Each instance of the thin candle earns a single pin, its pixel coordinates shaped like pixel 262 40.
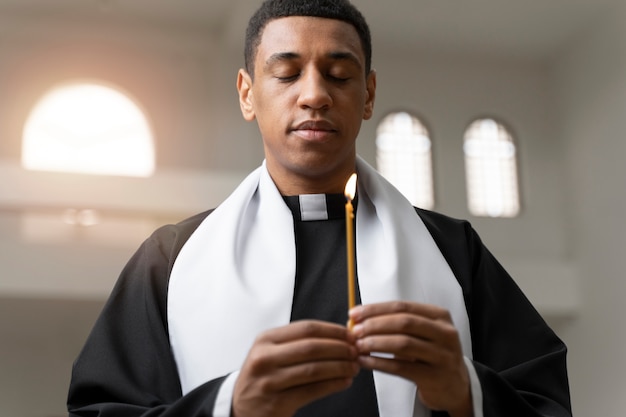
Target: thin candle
pixel 350 191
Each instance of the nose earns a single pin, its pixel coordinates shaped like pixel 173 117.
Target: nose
pixel 314 93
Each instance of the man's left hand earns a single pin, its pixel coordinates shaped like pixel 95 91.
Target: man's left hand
pixel 420 343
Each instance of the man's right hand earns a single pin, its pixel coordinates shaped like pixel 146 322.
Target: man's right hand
pixel 291 366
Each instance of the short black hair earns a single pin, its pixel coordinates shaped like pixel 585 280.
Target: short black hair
pixel 331 9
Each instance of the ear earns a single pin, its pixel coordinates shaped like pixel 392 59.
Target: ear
pixel 244 87
pixel 370 86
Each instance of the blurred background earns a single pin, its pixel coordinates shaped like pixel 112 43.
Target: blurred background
pixel 553 72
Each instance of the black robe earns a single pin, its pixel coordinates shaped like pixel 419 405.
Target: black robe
pixel 127 369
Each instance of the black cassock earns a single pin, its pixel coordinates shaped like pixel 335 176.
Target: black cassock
pixel 126 368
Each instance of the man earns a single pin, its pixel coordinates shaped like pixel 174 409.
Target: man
pixel 241 311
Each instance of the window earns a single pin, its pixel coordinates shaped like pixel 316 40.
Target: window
pixel 404 157
pixel 88 128
pixel 491 170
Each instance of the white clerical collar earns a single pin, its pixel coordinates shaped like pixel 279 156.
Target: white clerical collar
pixel 317 207
pixel 313 207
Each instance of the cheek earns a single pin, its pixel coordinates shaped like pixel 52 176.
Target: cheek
pixel 271 106
pixel 273 124
pixel 270 118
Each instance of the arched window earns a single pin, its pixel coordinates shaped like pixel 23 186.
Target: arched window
pixel 88 128
pixel 491 170
pixel 404 157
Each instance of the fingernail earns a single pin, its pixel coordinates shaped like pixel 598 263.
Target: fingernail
pixel 359 344
pixel 365 360
pixel 354 311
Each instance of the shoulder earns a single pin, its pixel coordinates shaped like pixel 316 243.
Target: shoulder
pixel 447 231
pixel 170 238
pixel 147 271
pixel 183 228
pixel 459 244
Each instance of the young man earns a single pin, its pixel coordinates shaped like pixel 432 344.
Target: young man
pixel 241 311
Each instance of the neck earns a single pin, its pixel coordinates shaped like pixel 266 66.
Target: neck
pixel 312 187
pixel 297 184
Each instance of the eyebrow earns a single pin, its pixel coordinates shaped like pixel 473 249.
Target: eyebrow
pixel 290 56
pixel 281 57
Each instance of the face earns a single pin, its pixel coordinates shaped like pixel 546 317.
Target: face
pixel 309 96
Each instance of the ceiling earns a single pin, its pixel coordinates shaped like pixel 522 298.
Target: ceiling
pixel 529 28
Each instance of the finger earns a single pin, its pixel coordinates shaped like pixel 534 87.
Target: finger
pixel 406 324
pixel 401 347
pixel 305 374
pixel 267 358
pixel 304 329
pixel 311 350
pixel 305 394
pixel 363 312
pixel 414 371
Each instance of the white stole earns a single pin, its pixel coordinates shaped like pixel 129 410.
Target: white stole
pixel 234 278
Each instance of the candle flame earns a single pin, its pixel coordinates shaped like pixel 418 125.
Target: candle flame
pixel 351 187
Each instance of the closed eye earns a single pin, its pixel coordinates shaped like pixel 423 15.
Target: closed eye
pixel 287 78
pixel 338 79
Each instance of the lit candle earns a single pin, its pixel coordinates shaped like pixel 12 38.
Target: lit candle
pixel 349 193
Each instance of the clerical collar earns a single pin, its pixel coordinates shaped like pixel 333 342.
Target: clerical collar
pixel 311 207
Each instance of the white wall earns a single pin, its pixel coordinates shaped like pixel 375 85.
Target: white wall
pixel 186 83
pixel 590 79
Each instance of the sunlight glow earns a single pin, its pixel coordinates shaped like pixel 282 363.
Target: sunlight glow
pixel 89 129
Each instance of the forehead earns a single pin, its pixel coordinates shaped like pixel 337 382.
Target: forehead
pixel 306 35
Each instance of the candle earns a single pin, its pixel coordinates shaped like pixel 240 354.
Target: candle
pixel 349 193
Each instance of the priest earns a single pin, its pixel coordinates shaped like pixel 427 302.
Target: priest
pixel 241 311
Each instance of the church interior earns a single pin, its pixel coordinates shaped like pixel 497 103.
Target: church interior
pixel 553 71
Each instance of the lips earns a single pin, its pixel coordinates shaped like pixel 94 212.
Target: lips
pixel 314 129
pixel 315 125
